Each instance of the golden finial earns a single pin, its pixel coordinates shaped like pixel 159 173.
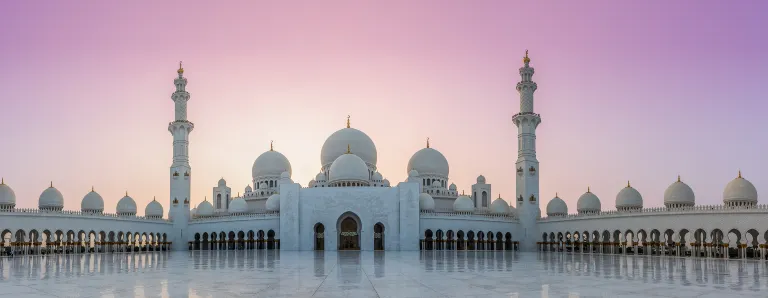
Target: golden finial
pixel 154 198
pixel 556 196
pixel 348 151
pixel 526 60
pixel 181 69
pixel 91 188
pixel 739 173
pixel 628 184
pixel 499 195
pixel 2 180
pixel 271 148
pixel 347 121
pixel 51 184
pixel 205 198
pixel 427 142
pixel 126 193
pixel 678 178
pixel 588 189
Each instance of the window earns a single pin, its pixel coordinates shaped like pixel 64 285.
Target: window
pixel 218 201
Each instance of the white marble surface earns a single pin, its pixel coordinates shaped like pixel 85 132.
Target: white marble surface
pixel 377 274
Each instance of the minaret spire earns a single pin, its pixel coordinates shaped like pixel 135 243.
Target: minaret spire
pixel 527 166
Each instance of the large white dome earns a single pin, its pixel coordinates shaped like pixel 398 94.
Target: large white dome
pixel 499 206
pixel 629 198
pixel 557 207
pixel 428 161
pixel 588 202
pixel 336 145
pixel 270 163
pixel 426 202
pixel 679 194
pixel 92 202
pixel 7 196
pixel 51 198
pixel 154 209
pixel 348 167
pixel 204 209
pixel 273 202
pixel 463 204
pixel 238 206
pixel 740 190
pixel 126 206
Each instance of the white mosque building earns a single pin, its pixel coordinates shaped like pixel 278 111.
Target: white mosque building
pixel 351 206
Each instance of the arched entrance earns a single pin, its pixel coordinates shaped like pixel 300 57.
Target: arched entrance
pixel 319 237
pixel 378 236
pixel 349 231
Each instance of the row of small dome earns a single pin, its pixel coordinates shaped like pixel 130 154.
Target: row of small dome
pixel 52 199
pixel 426 161
pixel 737 192
pixel 236 206
pixel 464 203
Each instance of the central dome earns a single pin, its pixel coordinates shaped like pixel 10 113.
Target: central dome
pixel 348 167
pixel 336 145
pixel 428 161
pixel 270 163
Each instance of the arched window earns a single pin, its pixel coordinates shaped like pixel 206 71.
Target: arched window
pixel 218 201
pixel 485 199
pixel 271 184
pixel 227 201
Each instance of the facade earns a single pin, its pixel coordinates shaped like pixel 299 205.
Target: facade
pixel 351 206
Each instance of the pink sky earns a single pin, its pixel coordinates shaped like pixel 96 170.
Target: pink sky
pixel 639 91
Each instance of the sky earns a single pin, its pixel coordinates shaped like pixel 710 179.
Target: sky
pixel 628 90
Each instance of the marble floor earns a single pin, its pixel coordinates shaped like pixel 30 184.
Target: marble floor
pixel 377 274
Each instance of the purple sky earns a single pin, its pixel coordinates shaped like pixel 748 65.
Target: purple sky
pixel 640 91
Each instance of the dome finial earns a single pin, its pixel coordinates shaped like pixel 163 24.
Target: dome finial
pixel 628 184
pixel 427 142
pixel 51 184
pixel 154 198
pixel 739 173
pixel 271 147
pixel 526 60
pixel 348 151
pixel 347 121
pixel 92 188
pixel 181 69
pixel 678 178
pixel 2 180
pixel 588 189
pixel 556 196
pixel 126 193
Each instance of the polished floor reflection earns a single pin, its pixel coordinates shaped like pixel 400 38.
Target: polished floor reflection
pixel 377 274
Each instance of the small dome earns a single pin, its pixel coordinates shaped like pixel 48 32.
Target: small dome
pixel 285 175
pixel 248 188
pixel 204 209
pixel 377 176
pixel 336 146
pixel 463 204
pixel 192 213
pixel 7 196
pixel 740 190
pixel 312 183
pixel 126 206
pixel 481 179
pixel 92 202
pixel 320 177
pixel 348 167
pixel 270 163
pixel 222 182
pixel 588 202
pixel 263 185
pixel 413 173
pixel 273 203
pixel 679 194
pixel 428 161
pixel 499 206
pixel 557 207
pixel 385 182
pixel 452 187
pixel 629 198
pixel 426 202
pixel 51 198
pixel 154 209
pixel 238 205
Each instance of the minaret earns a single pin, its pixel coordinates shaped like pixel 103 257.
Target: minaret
pixel 527 166
pixel 181 172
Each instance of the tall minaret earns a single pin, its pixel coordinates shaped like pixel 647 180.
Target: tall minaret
pixel 181 172
pixel 527 166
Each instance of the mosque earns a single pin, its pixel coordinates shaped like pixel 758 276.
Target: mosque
pixel 349 205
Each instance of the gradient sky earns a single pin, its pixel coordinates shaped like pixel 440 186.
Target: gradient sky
pixel 628 90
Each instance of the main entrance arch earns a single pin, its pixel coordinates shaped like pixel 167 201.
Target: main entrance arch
pixel 349 231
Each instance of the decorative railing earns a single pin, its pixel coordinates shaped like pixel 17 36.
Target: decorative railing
pixel 65 213
pixel 664 210
pixel 525 113
pixel 265 214
pixel 483 213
